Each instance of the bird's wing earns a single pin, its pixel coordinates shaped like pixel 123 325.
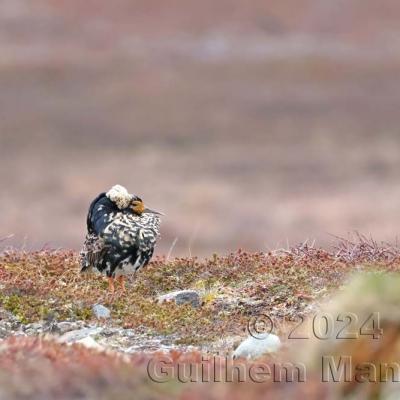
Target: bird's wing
pixel 93 251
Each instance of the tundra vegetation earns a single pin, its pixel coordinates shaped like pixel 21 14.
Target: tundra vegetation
pixel 45 288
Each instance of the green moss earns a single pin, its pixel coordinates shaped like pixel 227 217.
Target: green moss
pixel 82 313
pixel 45 311
pixel 25 308
pixel 13 304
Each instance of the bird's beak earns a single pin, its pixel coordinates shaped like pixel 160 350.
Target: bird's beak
pixel 148 210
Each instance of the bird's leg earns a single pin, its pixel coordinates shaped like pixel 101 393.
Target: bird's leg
pixel 121 280
pixel 111 284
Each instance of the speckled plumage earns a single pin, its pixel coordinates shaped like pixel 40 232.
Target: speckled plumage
pixel 119 241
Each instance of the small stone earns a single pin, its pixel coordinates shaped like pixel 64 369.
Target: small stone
pixel 6 315
pixel 34 326
pixel 64 327
pixel 108 332
pixel 4 333
pixel 128 333
pixel 258 345
pixel 182 297
pixel 6 324
pixel 32 329
pixel 76 335
pixel 31 332
pixel 101 312
pixel 9 320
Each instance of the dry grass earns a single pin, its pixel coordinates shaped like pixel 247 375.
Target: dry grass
pixel 46 284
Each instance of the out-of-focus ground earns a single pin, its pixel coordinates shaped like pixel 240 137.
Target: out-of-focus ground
pixel 247 123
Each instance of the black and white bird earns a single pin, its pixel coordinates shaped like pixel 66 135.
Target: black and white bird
pixel 121 235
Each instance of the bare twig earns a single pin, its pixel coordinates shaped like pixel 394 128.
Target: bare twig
pixel 360 248
pixel 171 248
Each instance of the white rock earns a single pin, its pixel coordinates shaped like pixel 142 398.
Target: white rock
pixel 181 297
pixel 256 346
pixel 77 335
pixel 101 312
pixel 90 343
pixel 65 326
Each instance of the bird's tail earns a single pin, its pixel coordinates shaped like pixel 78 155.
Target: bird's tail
pixel 85 259
pixel 91 253
pixel 85 269
pixel 84 262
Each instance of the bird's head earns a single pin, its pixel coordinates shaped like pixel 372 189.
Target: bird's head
pixel 126 201
pixel 119 196
pixel 138 207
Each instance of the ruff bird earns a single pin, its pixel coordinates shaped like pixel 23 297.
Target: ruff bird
pixel 121 235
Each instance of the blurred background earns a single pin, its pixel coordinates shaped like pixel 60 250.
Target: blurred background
pixel 249 123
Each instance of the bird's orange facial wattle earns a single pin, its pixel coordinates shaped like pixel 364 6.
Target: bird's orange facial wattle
pixel 137 206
